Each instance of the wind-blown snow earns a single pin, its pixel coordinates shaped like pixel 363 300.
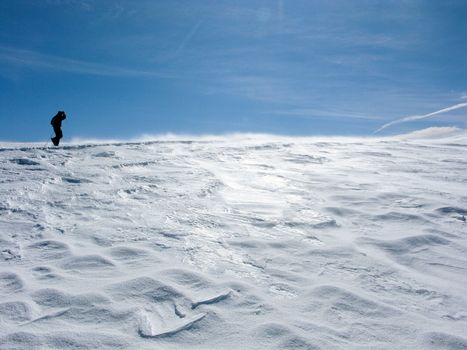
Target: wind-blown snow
pixel 235 243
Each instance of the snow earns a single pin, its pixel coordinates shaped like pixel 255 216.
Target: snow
pixel 236 242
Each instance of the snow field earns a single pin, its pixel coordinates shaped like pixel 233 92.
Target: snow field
pixel 235 243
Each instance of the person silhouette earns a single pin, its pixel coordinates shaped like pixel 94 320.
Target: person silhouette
pixel 56 123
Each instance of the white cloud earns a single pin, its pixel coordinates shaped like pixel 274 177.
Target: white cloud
pixel 433 133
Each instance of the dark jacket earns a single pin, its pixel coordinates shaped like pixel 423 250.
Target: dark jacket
pixel 56 121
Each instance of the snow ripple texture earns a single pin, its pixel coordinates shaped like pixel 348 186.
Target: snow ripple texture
pixel 234 243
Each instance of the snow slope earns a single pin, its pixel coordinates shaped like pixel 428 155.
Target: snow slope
pixel 245 242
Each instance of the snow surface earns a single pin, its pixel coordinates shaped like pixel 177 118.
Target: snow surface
pixel 242 242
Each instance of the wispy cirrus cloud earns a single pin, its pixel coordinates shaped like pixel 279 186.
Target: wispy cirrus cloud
pixel 39 61
pixel 424 116
pixel 312 113
pixel 85 5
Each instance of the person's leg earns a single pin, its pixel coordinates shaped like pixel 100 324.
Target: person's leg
pixel 54 139
pixel 58 136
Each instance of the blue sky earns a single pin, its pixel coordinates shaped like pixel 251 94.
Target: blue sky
pixel 121 69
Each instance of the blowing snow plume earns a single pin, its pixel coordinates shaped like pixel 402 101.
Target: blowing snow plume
pixel 418 117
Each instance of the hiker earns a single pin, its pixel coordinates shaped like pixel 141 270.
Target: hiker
pixel 56 122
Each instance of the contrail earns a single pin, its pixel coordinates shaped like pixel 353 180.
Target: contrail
pixel 417 117
pixel 188 37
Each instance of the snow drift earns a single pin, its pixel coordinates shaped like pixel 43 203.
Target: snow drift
pixel 235 243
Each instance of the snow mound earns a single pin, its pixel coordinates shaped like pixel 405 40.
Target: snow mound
pixel 237 242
